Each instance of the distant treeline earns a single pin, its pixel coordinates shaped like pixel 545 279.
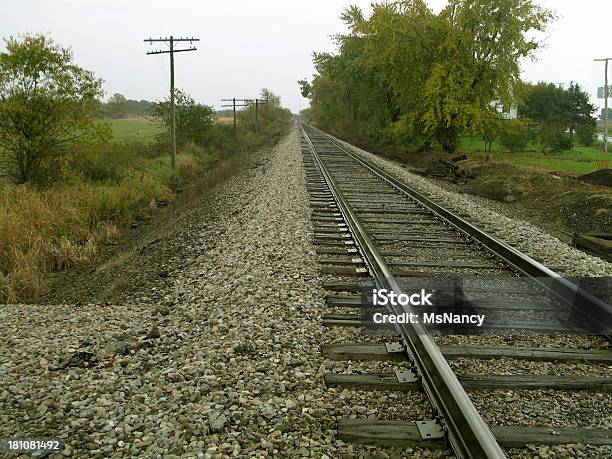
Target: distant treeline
pixel 119 107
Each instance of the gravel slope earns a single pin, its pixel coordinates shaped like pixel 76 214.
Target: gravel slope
pixel 222 361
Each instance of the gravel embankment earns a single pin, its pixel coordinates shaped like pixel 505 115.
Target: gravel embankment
pixel 524 236
pixel 223 361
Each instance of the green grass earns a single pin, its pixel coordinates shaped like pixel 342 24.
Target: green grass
pixel 581 160
pixel 135 129
pixel 471 144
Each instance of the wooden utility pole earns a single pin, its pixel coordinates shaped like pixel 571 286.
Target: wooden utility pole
pixel 171 40
pixel 605 94
pixel 259 102
pixel 234 105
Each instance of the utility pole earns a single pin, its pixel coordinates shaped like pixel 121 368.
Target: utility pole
pixel 171 40
pixel 258 102
pixel 605 94
pixel 233 104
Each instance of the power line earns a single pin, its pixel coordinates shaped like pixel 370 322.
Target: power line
pixel 171 41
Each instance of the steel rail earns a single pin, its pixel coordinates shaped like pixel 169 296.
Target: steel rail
pixel 467 433
pixel 592 309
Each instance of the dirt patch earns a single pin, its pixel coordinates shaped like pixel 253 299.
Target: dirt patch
pixel 601 177
pixel 573 206
pixel 561 204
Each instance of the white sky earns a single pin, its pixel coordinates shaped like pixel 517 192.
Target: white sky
pixel 247 45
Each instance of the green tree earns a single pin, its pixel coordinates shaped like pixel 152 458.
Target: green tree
pixel 515 134
pixel 582 110
pixel 586 133
pixel 47 106
pixel 408 76
pixel 491 127
pixel 305 88
pixel 556 111
pixel 117 106
pixel 548 104
pixel 270 114
pixel 193 120
pixel 480 56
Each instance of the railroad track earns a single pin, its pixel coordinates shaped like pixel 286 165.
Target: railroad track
pixel 371 229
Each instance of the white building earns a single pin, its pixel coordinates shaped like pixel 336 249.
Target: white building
pixel 507 114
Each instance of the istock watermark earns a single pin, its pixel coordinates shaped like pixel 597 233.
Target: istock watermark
pixel 384 297
pixel 429 318
pixel 476 305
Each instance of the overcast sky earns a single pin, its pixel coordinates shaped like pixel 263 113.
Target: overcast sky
pixel 247 45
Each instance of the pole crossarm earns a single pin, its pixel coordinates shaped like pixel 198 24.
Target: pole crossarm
pixel 152 40
pixel 173 51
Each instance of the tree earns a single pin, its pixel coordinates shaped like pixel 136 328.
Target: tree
pixel 268 114
pixel 47 106
pixel 272 99
pixel 305 88
pixel 117 106
pixel 491 128
pixel 413 77
pixel 547 104
pixel 479 63
pixel 514 134
pixel 556 111
pixel 193 120
pixel 583 121
pixel 586 133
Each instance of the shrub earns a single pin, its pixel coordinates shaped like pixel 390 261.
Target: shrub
pixel 561 141
pixel 110 162
pixel 551 139
pixel 586 133
pixel 514 134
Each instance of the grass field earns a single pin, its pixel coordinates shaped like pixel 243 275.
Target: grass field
pixel 581 160
pixel 138 129
pixel 225 119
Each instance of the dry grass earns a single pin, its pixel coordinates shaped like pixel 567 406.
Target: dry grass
pixel 225 120
pixel 223 170
pixel 60 228
pixel 604 164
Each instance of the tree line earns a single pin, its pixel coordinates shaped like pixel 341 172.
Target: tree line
pixel 415 80
pixel 117 106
